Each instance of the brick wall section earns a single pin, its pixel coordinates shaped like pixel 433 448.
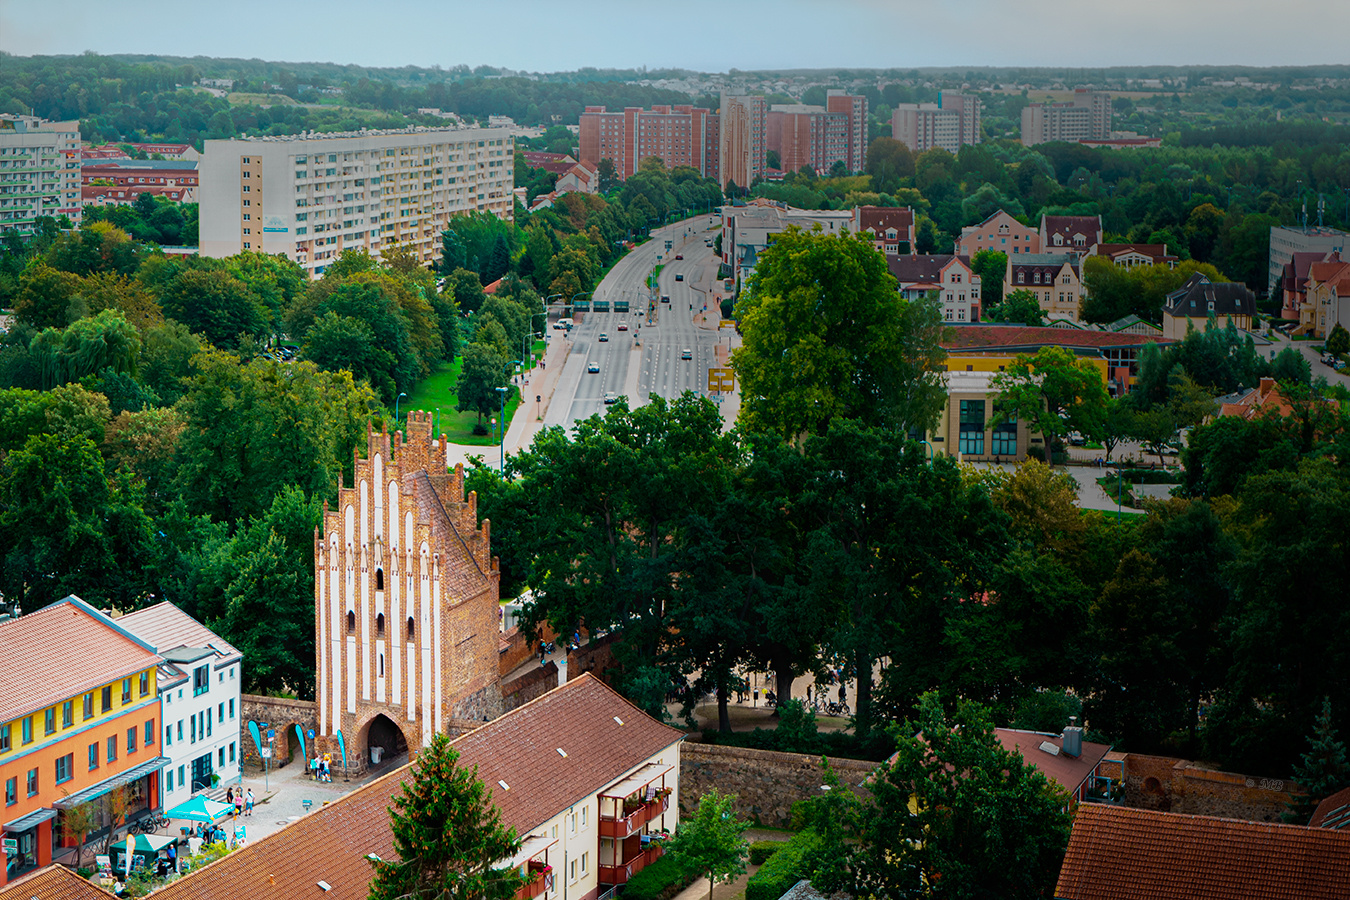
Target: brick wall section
pixel 595 656
pixel 1180 786
pixel 534 683
pixel 765 783
pixel 516 647
pixel 281 714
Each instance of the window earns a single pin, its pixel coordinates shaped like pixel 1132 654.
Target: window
pixel 112 748
pixel 27 729
pixel 231 751
pixel 351 622
pixel 11 791
pixel 126 691
pixel 145 682
pixel 181 770
pixel 68 714
pixel 65 766
pixel 131 740
pixel 972 427
pixel 221 713
pixel 180 732
pixel 201 680
pixel 93 756
pixel 149 732
pixel 222 757
pixel 207 716
pixel 411 628
pixel 231 705
pixel 584 811
pixel 379 586
pixel 4 737
pixel 192 729
pixel 574 870
pixel 1005 438
pixel 32 783
pixel 106 699
pixel 572 823
pixel 168 780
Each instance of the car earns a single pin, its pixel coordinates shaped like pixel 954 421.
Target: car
pixel 686 353
pixel 679 277
pixel 593 367
pixel 610 396
pixel 1077 439
pixel 665 298
pixel 604 338
pixel 623 326
pixel 679 256
pixel 707 244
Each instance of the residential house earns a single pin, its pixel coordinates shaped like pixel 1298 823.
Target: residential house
pixel 1333 812
pixel 957 287
pixel 890 228
pixel 1294 286
pixel 118 182
pixel 1198 300
pixel 557 163
pixel 1000 232
pixel 1327 302
pixel 1249 403
pixel 1066 759
pixel 199 684
pixel 991 348
pixel 1053 278
pixel 583 177
pixel 1128 256
pixel 748 230
pixel 1116 852
pixel 1078 233
pixel 79 717
pixel 1286 241
pixel 53 883
pixel 584 777
pixel 967 428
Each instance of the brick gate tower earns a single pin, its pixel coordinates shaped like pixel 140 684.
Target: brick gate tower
pixel 405 591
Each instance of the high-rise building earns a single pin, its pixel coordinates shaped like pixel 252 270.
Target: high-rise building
pixel 1086 116
pixel 948 124
pixel 39 171
pixel 312 196
pixel 677 135
pixel 855 107
pixel 817 136
pixel 742 139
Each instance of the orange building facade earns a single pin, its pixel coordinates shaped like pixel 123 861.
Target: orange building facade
pixel 79 717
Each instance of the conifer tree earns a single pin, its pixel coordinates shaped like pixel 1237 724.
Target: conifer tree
pixel 448 836
pixel 1323 771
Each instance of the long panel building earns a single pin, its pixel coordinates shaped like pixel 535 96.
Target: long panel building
pixel 949 124
pixel 39 171
pixel 1086 116
pixel 677 135
pixel 819 136
pixel 311 196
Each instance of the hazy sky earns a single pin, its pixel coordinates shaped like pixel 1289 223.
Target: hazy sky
pixel 707 35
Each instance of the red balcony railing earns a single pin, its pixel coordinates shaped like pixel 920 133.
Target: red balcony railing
pixel 634 819
pixel 540 881
pixel 620 874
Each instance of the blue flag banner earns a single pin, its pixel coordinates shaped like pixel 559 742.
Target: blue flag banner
pixel 300 733
pixel 257 738
pixel 342 745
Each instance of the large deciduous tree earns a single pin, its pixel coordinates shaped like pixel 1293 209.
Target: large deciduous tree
pixel 1054 392
pixel 828 336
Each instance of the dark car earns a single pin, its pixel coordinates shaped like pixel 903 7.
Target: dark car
pixel 679 256
pixel 603 337
pixel 679 277
pixel 665 298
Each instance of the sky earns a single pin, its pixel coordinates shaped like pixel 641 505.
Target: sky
pixel 703 35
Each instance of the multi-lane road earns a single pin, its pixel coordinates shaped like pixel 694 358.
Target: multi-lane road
pixel 647 358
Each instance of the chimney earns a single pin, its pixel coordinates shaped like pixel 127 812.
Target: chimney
pixel 1073 739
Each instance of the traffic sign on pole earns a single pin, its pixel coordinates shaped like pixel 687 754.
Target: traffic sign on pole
pixel 721 379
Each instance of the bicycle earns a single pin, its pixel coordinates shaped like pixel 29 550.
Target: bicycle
pixel 838 710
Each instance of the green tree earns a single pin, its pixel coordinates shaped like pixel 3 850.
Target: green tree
pixel 991 266
pixel 1322 771
pixel 1020 307
pixel 1054 392
pixel 1338 342
pixel 712 842
pixel 481 373
pixel 958 780
pixel 45 296
pixel 609 175
pixel 498 262
pixel 348 344
pixel 888 162
pixel 85 347
pixel 467 290
pixel 448 835
pixel 216 305
pixel 826 335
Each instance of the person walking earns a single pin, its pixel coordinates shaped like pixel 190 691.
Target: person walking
pixel 248 802
pixel 238 804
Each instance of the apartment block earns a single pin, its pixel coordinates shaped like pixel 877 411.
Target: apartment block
pixel 743 139
pixel 949 124
pixel 814 137
pixel 1086 116
pixel 1000 232
pixel 677 135
pixel 79 717
pixel 855 107
pixel 39 171
pixel 1054 279
pixel 311 196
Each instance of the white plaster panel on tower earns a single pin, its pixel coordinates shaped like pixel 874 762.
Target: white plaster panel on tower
pixel 363 491
pixel 364 615
pixel 335 606
pixel 394 542
pixel 395 670
pixel 437 641
pixel 351 674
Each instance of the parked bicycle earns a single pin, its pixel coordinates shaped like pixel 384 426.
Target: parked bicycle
pixel 839 710
pixel 147 824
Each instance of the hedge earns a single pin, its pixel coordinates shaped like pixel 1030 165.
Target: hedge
pixel 661 879
pixel 760 851
pixel 782 870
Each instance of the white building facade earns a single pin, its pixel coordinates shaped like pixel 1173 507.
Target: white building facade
pixel 39 171
pixel 199 688
pixel 312 196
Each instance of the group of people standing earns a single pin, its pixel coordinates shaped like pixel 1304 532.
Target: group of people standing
pixel 320 769
pixel 241 800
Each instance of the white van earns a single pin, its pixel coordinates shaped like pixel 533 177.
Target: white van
pixel 562 324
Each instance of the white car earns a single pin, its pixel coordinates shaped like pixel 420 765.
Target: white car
pixel 611 397
pixel 593 367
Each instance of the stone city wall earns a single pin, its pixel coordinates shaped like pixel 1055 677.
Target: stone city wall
pixel 281 714
pixel 534 683
pixel 1181 786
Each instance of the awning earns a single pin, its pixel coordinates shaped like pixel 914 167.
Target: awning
pixel 116 781
pixel 531 847
pixel 637 781
pixel 23 823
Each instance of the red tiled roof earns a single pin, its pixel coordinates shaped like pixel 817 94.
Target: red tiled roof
pixel 995 337
pixel 1067 771
pixel 1136 854
pixel 62 651
pixel 1071 225
pixel 520 748
pixel 1336 808
pixel 166 627
pixel 52 883
pixel 879 218
pixel 922 269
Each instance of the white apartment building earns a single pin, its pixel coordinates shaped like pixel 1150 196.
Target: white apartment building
pixel 953 122
pixel 199 689
pixel 311 196
pixel 39 171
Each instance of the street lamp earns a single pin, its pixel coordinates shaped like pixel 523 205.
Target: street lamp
pixel 502 444
pixel 400 396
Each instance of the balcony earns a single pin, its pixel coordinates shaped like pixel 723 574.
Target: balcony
pixel 622 873
pixel 635 819
pixel 541 880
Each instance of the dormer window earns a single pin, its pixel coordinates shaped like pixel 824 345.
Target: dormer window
pixel 1021 277
pixel 1059 239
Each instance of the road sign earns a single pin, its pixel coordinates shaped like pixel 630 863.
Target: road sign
pixel 267 753
pixel 720 379
pixel 271 733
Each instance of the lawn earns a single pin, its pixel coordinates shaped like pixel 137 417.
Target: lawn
pixel 436 395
